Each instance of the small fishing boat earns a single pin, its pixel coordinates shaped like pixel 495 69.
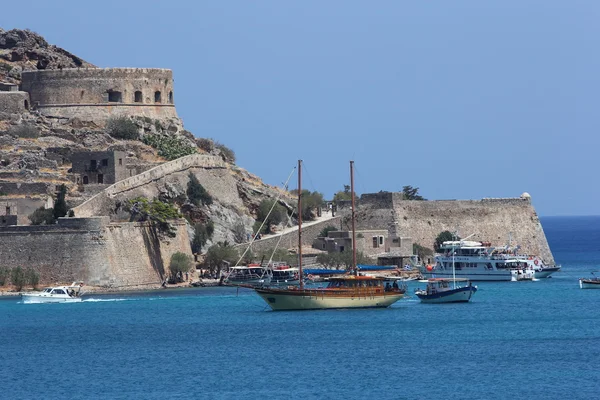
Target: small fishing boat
pixel 590 283
pixel 58 294
pixel 284 275
pixel 440 290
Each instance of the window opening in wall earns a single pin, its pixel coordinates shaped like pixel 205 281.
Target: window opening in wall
pixel 115 97
pixel 381 240
pixel 157 97
pixel 7 210
pixel 120 161
pixel 105 162
pixel 78 180
pixel 171 97
pixel 137 96
pixel 26 104
pixel 342 248
pixel 93 165
pixel 86 180
pixel 100 178
pixel 375 242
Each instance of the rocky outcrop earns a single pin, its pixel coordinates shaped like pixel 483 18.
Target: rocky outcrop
pixel 24 50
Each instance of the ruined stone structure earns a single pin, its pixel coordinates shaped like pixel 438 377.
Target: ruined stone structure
pixel 93 250
pixel 368 242
pixel 492 220
pixel 13 101
pixel 98 167
pixel 95 94
pixel 8 212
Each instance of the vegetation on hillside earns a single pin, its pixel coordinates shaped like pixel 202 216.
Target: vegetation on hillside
pixel 444 236
pixel 122 128
pixel 325 231
pixel 179 265
pixel 344 195
pixel 196 193
pixel 42 216
pixel 310 202
pixel 24 131
pixel 169 147
pixel 219 254
pixel 262 215
pixel 411 193
pixel 60 206
pixel 156 212
pixel 202 234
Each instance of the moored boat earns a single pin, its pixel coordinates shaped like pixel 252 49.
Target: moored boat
pixel 440 290
pixel 284 275
pixel 590 283
pixel 251 275
pixel 57 294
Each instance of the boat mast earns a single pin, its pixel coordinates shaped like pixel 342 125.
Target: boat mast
pixel 354 268
pixel 453 251
pixel 300 224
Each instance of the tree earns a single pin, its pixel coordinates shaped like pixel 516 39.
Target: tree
pixel 4 274
pixel 310 201
pixel 32 277
pixel 17 277
pixel 202 234
pixel 276 217
pixel 219 253
pixel 60 207
pixel 341 259
pixel 344 195
pixel 180 264
pixel 122 128
pixel 42 216
pixel 444 236
pixel 325 231
pixel 411 193
pixel 196 192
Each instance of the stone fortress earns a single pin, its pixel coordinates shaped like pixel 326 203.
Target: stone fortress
pixel 98 93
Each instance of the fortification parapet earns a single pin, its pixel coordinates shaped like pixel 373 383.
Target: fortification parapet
pixel 97 93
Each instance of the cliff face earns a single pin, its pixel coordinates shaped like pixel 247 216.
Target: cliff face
pixel 24 50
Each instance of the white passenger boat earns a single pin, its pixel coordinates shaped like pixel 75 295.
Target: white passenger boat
pixel 284 275
pixel 480 261
pixel 58 294
pixel 442 290
pixel 251 275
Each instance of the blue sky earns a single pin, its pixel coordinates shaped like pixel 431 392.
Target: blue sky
pixel 464 99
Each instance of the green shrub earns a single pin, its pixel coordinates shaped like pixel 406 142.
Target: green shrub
pixel 226 153
pixel 4 274
pixel 60 207
pixel 169 147
pixel 196 192
pixel 444 236
pixel 180 264
pixel 205 144
pixel 18 278
pixel 122 128
pixel 219 253
pixel 156 212
pixel 42 216
pixel 26 131
pixel 341 259
pixel 32 277
pixel 277 215
pixel 310 202
pixel 6 67
pixel 158 125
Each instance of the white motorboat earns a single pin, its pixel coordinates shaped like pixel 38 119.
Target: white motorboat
pixel 480 261
pixel 439 290
pixel 252 275
pixel 57 294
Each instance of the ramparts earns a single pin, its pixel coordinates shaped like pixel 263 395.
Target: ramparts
pixel 97 93
pixel 93 250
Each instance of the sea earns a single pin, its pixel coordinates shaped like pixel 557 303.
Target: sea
pixel 533 340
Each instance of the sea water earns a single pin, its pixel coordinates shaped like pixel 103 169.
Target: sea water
pixel 533 340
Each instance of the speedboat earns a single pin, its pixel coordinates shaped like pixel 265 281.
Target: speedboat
pixel 590 283
pixel 57 294
pixel 440 290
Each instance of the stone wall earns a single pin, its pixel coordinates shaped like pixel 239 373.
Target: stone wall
pixel 97 93
pixel 92 250
pixel 14 102
pixel 490 220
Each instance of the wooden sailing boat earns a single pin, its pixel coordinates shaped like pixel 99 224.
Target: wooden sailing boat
pixel 345 291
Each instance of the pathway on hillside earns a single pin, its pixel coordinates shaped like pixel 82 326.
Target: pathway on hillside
pixel 325 216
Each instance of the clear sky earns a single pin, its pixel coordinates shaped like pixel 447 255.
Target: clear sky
pixel 464 99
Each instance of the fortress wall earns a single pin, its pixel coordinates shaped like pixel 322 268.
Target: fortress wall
pixel 490 219
pixel 290 239
pixel 14 102
pixel 92 250
pixel 97 93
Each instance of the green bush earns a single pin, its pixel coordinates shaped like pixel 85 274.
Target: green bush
pixel 196 192
pixel 226 153
pixel 205 144
pixel 169 147
pixel 157 212
pixel 341 259
pixel 60 207
pixel 277 215
pixel 122 128
pixel 4 274
pixel 18 278
pixel 219 253
pixel 25 131
pixel 444 236
pixel 42 216
pixel 310 202
pixel 180 264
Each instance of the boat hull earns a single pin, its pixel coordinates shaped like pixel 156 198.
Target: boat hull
pixel 589 284
pixel 546 272
pixel 458 295
pixel 497 276
pixel 322 300
pixel 34 298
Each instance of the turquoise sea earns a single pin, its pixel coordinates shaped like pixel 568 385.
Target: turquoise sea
pixel 535 340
